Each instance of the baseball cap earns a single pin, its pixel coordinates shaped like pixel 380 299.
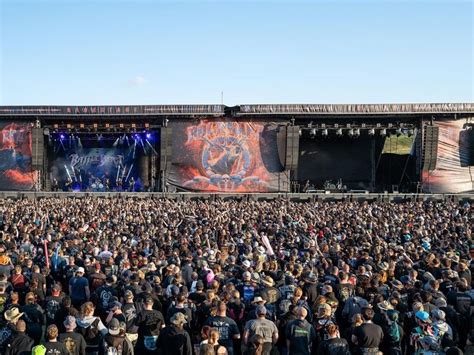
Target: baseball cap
pixel 260 310
pixel 423 316
pixel 114 326
pixel 70 322
pixel 80 269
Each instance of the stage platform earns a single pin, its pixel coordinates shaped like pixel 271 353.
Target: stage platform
pixel 348 196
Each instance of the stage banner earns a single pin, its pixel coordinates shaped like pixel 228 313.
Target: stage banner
pixel 226 156
pixel 16 171
pixel 455 159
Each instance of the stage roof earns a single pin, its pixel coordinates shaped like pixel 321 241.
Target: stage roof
pixel 240 110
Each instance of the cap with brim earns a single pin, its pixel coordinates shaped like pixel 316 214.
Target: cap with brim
pixel 260 310
pixel 70 322
pixel 268 281
pixel 258 299
pixel 397 284
pixel 80 269
pixel 423 316
pixel 385 305
pixel 12 315
pixel 114 327
pixel 178 319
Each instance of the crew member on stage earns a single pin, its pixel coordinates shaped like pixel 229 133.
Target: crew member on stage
pixel 68 184
pixel 131 184
pixel 55 184
pixel 119 184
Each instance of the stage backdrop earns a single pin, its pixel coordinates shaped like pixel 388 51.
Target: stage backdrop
pixel 90 161
pixel 226 156
pixel 16 172
pixel 455 160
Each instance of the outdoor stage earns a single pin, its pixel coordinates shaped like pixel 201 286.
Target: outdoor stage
pixel 303 197
pixel 272 150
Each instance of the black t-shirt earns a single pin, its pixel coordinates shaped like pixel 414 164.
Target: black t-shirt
pixel 149 322
pixel 335 346
pixel 74 342
pixel 227 329
pixel 56 348
pixel 197 298
pixel 369 335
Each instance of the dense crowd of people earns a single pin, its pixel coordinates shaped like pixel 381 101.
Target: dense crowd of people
pixel 156 276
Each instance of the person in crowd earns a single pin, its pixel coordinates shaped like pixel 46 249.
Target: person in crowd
pixel 52 345
pixel 115 342
pixel 21 343
pixel 91 328
pixel 174 339
pixel 300 334
pixel 334 344
pixel 261 326
pixel 368 336
pixel 74 342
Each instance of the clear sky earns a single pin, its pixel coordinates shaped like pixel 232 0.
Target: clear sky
pixel 164 52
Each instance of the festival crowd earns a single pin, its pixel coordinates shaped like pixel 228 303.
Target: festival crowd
pixel 156 276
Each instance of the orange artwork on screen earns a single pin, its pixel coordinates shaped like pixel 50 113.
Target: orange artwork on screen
pixel 227 156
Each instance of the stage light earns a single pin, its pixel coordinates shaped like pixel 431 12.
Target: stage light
pixel 324 132
pixel 383 132
pixel 147 125
pixel 148 135
pixel 350 132
pixel 371 132
pixel 399 132
pixel 411 132
pixel 62 136
pixel 357 132
pixel 300 131
pixel 313 132
pixel 339 132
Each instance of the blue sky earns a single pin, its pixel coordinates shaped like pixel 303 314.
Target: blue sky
pixel 165 52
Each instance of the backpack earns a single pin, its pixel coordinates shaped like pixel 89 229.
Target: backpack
pixel 91 333
pixel 393 333
pixel 38 350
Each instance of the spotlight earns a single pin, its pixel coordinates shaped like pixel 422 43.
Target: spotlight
pixel 371 132
pixel 148 135
pixel 383 132
pixel 411 132
pixel 399 132
pixel 313 132
pixel 357 132
pixel 350 132
pixel 339 132
pixel 324 132
pixel 62 136
pixel 300 132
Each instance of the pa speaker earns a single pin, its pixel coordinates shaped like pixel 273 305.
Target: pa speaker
pixel 430 148
pixel 292 147
pixel 166 144
pixel 37 148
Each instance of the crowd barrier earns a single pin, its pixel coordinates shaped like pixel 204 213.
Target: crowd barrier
pixel 327 196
